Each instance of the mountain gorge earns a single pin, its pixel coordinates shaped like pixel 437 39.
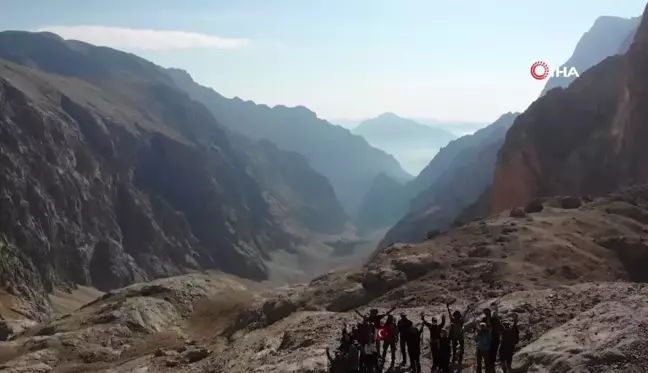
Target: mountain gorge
pixel 116 173
pixel 111 175
pixel 458 179
pixel 455 178
pixel 412 143
pixel 347 160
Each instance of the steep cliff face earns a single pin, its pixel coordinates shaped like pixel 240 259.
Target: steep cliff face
pixel 347 160
pixel 296 193
pixel 630 126
pixel 585 139
pixel 107 179
pixel 607 37
pixel 458 176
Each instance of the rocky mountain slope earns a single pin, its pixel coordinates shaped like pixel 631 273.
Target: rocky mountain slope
pixel 572 270
pixel 347 160
pixel 297 194
pixel 112 175
pixel 439 195
pixel 435 198
pixel 582 139
pixel 608 36
pixel 412 143
pixel 384 201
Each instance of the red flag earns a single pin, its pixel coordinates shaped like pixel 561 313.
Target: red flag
pixel 382 333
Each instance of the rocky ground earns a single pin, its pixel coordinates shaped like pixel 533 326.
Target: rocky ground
pixel 570 268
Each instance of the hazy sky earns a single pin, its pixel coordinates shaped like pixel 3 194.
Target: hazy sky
pixel 447 59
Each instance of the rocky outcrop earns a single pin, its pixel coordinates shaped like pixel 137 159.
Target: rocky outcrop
pixel 607 37
pixel 565 272
pixel 582 140
pixel 347 160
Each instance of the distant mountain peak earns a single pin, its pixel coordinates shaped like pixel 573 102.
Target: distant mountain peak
pixel 388 115
pixel 608 36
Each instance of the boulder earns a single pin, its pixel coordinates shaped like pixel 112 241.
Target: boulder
pixel 571 202
pixel 517 213
pixel 534 206
pixel 415 266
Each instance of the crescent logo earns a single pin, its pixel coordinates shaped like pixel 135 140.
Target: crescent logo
pixel 544 70
pixel 382 333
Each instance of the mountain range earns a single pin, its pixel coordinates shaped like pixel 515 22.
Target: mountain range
pixel 607 36
pixel 460 174
pixel 347 160
pixel 120 175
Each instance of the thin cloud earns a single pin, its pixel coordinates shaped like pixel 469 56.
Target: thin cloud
pixel 119 37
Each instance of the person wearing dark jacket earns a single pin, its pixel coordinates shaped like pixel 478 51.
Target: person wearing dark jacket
pixel 353 358
pixel 404 325
pixel 456 335
pixel 369 357
pixel 510 339
pixel 495 325
pixel 444 352
pixel 389 340
pixel 345 340
pixel 375 319
pixel 482 342
pixel 435 335
pixel 364 330
pixel 414 336
pixel 337 363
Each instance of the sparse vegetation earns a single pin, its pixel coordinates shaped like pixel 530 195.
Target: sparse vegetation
pixel 10 351
pixel 152 342
pixel 212 315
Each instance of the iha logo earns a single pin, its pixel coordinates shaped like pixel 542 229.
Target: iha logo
pixel 540 71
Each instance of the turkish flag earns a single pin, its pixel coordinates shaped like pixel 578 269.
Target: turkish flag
pixel 382 333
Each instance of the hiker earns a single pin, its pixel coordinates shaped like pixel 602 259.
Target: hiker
pixel 435 335
pixel 495 325
pixel 444 352
pixel 404 325
pixel 375 318
pixel 389 338
pixel 345 340
pixel 456 335
pixel 369 357
pixel 483 342
pixel 510 339
pixel 365 330
pixel 414 336
pixel 353 358
pixel 336 362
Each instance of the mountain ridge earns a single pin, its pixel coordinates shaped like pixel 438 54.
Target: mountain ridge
pixel 412 143
pixel 607 36
pixel 350 165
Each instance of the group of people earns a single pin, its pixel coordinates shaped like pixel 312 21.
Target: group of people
pixel 360 347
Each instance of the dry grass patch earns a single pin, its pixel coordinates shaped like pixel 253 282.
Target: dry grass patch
pixel 10 351
pixel 165 340
pixel 211 315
